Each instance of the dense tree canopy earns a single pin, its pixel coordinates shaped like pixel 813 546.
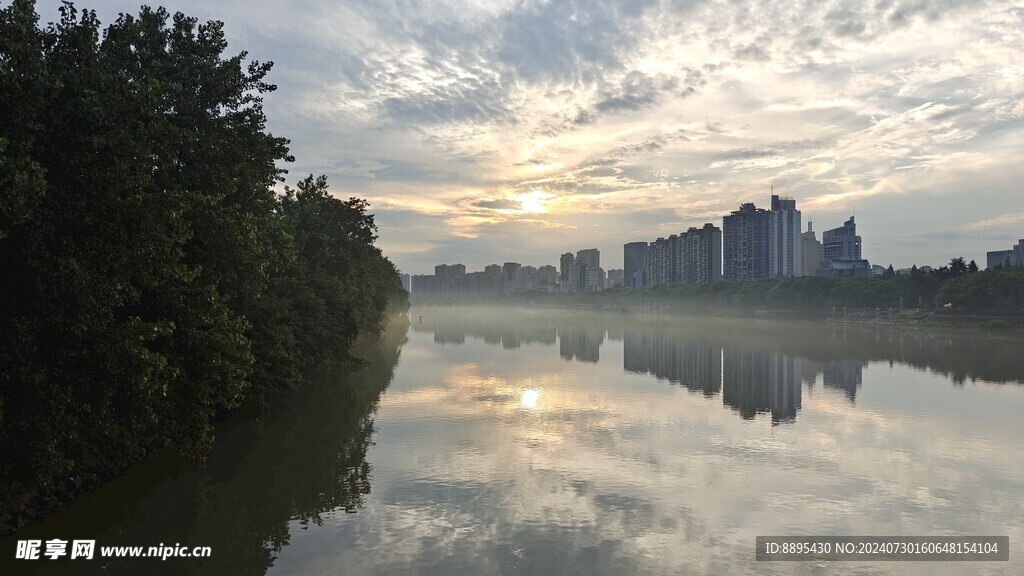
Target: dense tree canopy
pixel 153 278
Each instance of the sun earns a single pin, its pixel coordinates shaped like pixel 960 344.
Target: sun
pixel 533 202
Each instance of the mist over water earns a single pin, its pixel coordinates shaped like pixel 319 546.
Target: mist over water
pixel 557 442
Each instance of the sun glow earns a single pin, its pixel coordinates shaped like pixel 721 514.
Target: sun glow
pixel 533 202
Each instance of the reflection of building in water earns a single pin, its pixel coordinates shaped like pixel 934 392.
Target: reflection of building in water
pixel 510 339
pixel 509 332
pixel 846 375
pixel 694 364
pixel 580 342
pixel 450 337
pixel 843 375
pixel 755 382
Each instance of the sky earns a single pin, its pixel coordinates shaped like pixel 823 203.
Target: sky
pixel 486 132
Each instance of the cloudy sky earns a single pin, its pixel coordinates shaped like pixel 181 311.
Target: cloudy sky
pixel 483 132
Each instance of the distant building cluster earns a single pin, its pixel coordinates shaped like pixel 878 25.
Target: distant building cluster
pixel 493 280
pixel 579 272
pixel 582 272
pixel 753 243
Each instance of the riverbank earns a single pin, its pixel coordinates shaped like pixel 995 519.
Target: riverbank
pixel 994 324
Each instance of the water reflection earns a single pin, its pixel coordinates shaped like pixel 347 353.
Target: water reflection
pixel 754 382
pixel 580 342
pixel 546 442
pixel 270 472
pixel 757 366
pixel 696 364
pixel 529 398
pixel 840 429
pixel 843 375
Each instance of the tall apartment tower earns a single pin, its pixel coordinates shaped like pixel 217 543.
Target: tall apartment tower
pixel 784 243
pixel 591 257
pixel 811 251
pixel 591 276
pixel 745 243
pixel 841 243
pixel 634 258
pixel 511 276
pixel 662 260
pixel 564 266
pixel 699 255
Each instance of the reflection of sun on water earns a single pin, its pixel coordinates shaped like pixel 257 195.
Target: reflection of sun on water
pixel 529 399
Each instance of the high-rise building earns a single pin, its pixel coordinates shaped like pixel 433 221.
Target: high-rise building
pixel 449 271
pixel 546 276
pixel 695 256
pixel 491 281
pixel 527 278
pixel 698 256
pixel 615 278
pixel 1018 254
pixel 841 253
pixel 565 263
pixel 811 251
pixel 841 243
pixel 511 276
pixel 745 243
pixel 591 257
pixel 998 258
pixel 1012 258
pixel 592 278
pixel 424 285
pixel 784 242
pixel 448 277
pixel 662 259
pixel 634 258
pixel 406 283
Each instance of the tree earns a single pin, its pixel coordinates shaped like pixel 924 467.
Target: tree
pixel 889 272
pixel 972 267
pixel 152 278
pixel 957 266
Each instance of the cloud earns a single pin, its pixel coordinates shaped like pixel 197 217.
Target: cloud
pixel 444 114
pixel 1001 221
pixel 636 90
pixel 497 204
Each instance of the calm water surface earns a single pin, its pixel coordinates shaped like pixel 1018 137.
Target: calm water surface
pixel 559 442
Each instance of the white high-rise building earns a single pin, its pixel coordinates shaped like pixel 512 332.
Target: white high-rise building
pixel 785 254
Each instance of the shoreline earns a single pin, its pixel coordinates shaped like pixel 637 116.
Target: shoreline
pixel 989 324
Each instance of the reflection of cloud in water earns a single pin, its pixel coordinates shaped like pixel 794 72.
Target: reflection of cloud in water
pixel 607 472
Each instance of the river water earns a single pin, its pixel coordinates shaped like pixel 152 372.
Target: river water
pixel 534 441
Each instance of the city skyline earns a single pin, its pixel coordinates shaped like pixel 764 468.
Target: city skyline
pixel 492 133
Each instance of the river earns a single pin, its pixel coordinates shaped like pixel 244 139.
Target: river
pixel 535 441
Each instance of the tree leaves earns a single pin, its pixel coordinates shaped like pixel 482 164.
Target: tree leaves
pixel 153 279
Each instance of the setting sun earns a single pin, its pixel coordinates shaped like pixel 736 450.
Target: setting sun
pixel 533 202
